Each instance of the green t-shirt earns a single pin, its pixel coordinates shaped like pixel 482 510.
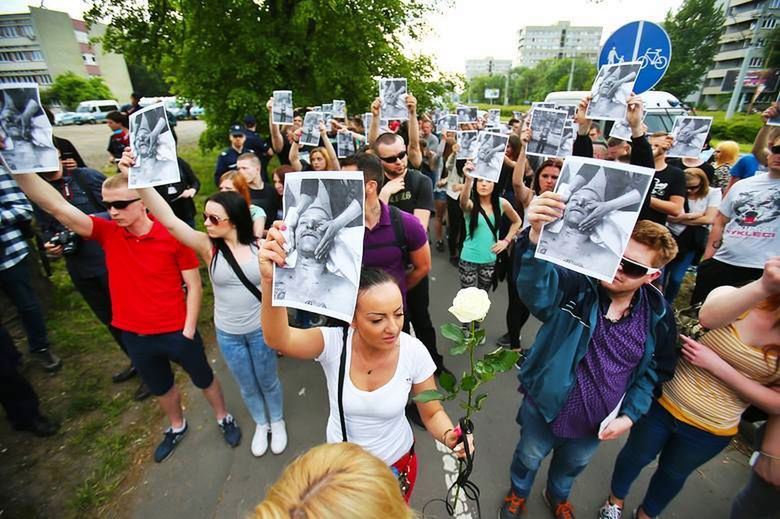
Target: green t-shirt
pixel 476 249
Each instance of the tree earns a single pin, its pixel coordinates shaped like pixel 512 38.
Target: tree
pixel 147 82
pixel 694 31
pixel 70 89
pixel 229 56
pixel 772 51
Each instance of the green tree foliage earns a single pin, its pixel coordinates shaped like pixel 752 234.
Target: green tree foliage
pixel 229 56
pixel 147 82
pixel 70 89
pixel 694 31
pixel 533 84
pixel 772 51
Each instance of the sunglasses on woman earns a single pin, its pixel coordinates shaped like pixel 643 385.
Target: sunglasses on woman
pixel 636 270
pixel 119 204
pixel 394 158
pixel 214 219
pixel 775 149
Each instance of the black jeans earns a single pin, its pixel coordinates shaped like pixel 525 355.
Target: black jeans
pixel 517 313
pixel 95 293
pixel 417 300
pixel 456 227
pixel 16 282
pixel 713 274
pixel 17 396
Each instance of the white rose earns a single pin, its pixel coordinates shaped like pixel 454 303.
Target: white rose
pixel 470 304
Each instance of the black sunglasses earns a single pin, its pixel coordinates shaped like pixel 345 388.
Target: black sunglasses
pixel 775 149
pixel 119 204
pixel 636 270
pixel 394 158
pixel 693 188
pixel 214 219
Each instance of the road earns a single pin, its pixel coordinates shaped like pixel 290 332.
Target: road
pixel 207 479
pixel 92 139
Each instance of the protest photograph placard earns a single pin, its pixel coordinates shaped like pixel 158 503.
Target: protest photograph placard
pixel 621 130
pixel 283 112
pixel 25 131
pixel 345 144
pixel 154 148
pixel 567 138
pixel 467 140
pixel 570 110
pixel 447 123
pixel 491 147
pixel 603 200
pixel 323 212
pixel 775 121
pixel 310 132
pixel 546 132
pixel 689 134
pixel 339 109
pixel 494 117
pixel 466 114
pixel 611 89
pixel 392 94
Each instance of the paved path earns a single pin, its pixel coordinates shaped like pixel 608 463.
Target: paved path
pixel 206 479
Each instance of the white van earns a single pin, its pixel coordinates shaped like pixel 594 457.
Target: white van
pixel 661 108
pixel 95 111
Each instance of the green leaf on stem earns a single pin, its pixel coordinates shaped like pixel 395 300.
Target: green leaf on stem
pixel 453 332
pixel 447 381
pixel 468 383
pixel 479 401
pixel 459 349
pixel 505 360
pixel 429 395
pixel 479 336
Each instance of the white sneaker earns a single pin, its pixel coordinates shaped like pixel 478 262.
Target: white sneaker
pixel 278 437
pixel 610 511
pixel 260 440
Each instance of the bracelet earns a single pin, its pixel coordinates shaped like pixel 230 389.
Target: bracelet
pixel 764 454
pixel 444 436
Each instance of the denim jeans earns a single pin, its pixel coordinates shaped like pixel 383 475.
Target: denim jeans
pixel 16 282
pixel 675 272
pixel 570 456
pixel 682 448
pixel 253 365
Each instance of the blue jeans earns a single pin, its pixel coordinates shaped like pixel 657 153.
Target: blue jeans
pixel 16 282
pixel 253 365
pixel 675 272
pixel 682 449
pixel 571 456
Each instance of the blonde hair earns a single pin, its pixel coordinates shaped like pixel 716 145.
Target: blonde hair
pixel 325 155
pixel 658 238
pixel 729 153
pixel 118 181
pixel 696 173
pixel 335 481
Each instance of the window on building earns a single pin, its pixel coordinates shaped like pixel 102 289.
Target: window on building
pixel 36 55
pixel 756 62
pixel 89 59
pixel 768 23
pixel 774 4
pixel 81 37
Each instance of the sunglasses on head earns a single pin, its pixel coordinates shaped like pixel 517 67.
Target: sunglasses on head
pixel 394 158
pixel 775 149
pixel 119 204
pixel 636 270
pixel 214 219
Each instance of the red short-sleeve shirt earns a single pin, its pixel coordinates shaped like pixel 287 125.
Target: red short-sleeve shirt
pixel 144 277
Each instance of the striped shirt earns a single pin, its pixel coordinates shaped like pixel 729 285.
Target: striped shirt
pixel 699 398
pixel 14 209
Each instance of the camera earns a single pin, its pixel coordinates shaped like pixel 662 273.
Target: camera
pixel 69 241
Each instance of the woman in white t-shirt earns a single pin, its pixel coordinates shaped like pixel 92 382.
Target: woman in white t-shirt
pixel 691 228
pixel 383 366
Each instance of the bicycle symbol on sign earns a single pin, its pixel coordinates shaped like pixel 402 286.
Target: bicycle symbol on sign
pixel 654 58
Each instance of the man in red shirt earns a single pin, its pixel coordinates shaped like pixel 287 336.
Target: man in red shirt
pixel 146 268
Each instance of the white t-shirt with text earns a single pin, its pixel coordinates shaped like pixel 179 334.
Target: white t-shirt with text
pixel 750 237
pixel 375 419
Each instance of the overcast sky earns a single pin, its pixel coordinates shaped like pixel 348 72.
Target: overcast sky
pixel 481 28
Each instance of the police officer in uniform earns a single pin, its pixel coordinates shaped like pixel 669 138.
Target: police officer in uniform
pixel 228 158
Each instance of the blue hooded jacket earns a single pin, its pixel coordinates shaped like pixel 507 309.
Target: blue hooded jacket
pixel 568 303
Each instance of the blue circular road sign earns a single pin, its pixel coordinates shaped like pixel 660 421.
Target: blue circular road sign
pixel 641 41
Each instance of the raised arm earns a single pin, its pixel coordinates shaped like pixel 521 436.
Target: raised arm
pixel 466 205
pixel 413 148
pixel 292 342
pixel 523 193
pixel 277 141
pixel 373 130
pixel 333 158
pixel 295 158
pixel 50 200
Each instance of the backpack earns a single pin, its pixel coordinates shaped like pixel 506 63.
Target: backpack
pixel 399 235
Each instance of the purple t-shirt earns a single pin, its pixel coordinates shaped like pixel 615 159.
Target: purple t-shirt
pixel 602 375
pixel 381 251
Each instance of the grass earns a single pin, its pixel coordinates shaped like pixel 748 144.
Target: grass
pixel 105 435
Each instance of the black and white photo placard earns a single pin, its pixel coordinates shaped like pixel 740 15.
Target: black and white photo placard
pixel 339 110
pixel 603 200
pixel 345 144
pixel 154 148
pixel 392 94
pixel 25 131
pixel 467 142
pixel 689 134
pixel 310 133
pixel 546 132
pixel 491 147
pixel 611 89
pixel 323 212
pixel 283 112
pixel 466 114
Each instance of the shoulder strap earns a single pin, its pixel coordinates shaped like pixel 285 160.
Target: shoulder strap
pixel 80 181
pixel 400 232
pixel 493 228
pixel 225 250
pixel 342 369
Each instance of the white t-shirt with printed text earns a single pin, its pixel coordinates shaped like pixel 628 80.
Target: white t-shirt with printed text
pixel 375 419
pixel 750 237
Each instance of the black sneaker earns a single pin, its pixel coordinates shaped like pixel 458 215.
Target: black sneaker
pixel 230 431
pixel 168 445
pixel 503 341
pixel 48 361
pixel 142 392
pixel 41 426
pixel 523 355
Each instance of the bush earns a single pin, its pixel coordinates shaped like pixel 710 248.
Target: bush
pixel 740 128
pixel 70 89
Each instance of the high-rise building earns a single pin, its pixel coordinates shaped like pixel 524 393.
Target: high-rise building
pixel 487 67
pixel 536 43
pixel 40 45
pixel 745 35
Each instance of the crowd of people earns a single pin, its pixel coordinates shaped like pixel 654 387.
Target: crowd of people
pixel 608 360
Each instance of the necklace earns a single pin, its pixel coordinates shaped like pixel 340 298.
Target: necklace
pixel 363 360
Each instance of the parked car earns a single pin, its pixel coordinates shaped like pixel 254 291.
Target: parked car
pixel 66 118
pixel 91 112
